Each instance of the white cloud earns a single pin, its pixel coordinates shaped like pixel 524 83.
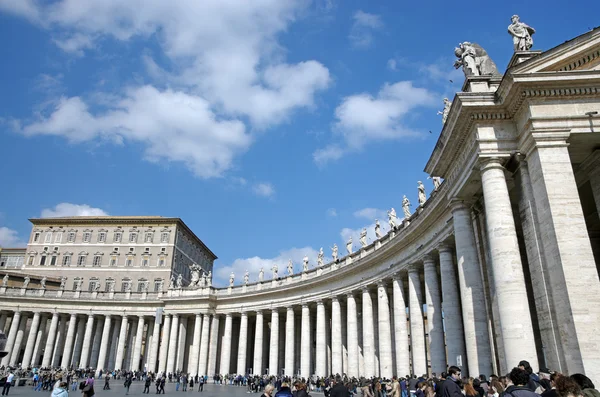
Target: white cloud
pixel 392 64
pixel 364 118
pixel 225 65
pixel 68 209
pixel 371 214
pixel 361 33
pixel 255 263
pixel 10 238
pixel 331 212
pixel 263 189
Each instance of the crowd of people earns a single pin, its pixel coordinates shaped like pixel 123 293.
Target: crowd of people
pixel 520 382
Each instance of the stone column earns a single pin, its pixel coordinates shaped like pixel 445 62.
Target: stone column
pixel 417 330
pixel 569 261
pixel 60 341
pixel 204 345
pixel 96 343
pixel 321 357
pixel 289 341
pixel 477 341
pixel 305 361
pixel 194 357
pixel 78 343
pixel 121 345
pixel 336 337
pixel 50 341
pixel 368 333
pixel 153 355
pixel 87 341
pixel 137 350
pixel 16 350
pixel 30 344
pixel 435 325
pixel 181 343
pixel 385 332
pixel 102 356
pixel 453 323
pixel 35 357
pixel 214 346
pixel 274 342
pixel 258 344
pixel 12 335
pixel 242 345
pixel 171 357
pixel 3 318
pixel 511 295
pixel 128 346
pixel 352 337
pixel 226 347
pixel 114 341
pixel 400 329
pixel 164 345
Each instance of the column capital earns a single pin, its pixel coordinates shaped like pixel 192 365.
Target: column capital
pixel 198 315
pixel 108 315
pixel 228 315
pixel 397 276
pixel 290 308
pixel 320 302
pixel 175 315
pixel 413 268
pixel 244 314
pixel 350 294
pixel 335 298
pixel 305 305
pixel 444 247
pixel 428 260
pixel 364 289
pixel 259 312
pixel 381 284
pixel 458 204
pixel 488 163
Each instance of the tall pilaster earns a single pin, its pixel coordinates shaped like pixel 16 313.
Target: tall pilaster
pixel 181 343
pixel 400 329
pixel 226 346
pixel 385 332
pixel 321 359
pixel 477 340
pixel 352 319
pixel 39 340
pixel 114 342
pixel 121 345
pixel 417 326
pixel 102 356
pixel 274 342
pixel 153 357
pixel 164 345
pixel 213 346
pixel 29 345
pixel 195 356
pixel 50 341
pixel 305 359
pixel 368 333
pixel 202 364
pixel 78 343
pixel 16 350
pixel 435 325
pixel 336 337
pixel 289 341
pixel 242 345
pixel 173 336
pixel 258 344
pixel 137 350
pixel 12 335
pixel 453 323
pixel 87 342
pixel 96 343
pixel 60 341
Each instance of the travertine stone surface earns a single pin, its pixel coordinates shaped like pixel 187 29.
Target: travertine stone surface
pixel 289 341
pixel 258 344
pixel 400 329
pixel 305 342
pixel 368 334
pixel 173 339
pixel 30 344
pixel 164 344
pixel 203 358
pixel 12 335
pixel 226 350
pixel 137 349
pixel 274 343
pixel 321 359
pixel 336 337
pixel 243 345
pixel 214 341
pixel 102 356
pixel 417 327
pixel 385 332
pixel 195 356
pixel 153 354
pixel 435 326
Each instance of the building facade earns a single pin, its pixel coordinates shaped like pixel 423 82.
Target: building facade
pixel 500 264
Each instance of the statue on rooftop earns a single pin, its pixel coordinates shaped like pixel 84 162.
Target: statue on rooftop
pixel 446 110
pixel 437 181
pixel 320 257
pixel 363 237
pixel 305 263
pixel 43 282
pixel 290 268
pixel 377 229
pixel 5 280
pixel 392 218
pixel 275 270
pixel 349 245
pixel 406 207
pixel 521 34
pixel 246 277
pixel 202 283
pixel 80 285
pixel 172 282
pixel 63 282
pixel 209 279
pixel 261 275
pixel 26 281
pixel 231 279
pixel 422 195
pixel 474 60
pixel 334 252
pixel 195 271
pixel 180 280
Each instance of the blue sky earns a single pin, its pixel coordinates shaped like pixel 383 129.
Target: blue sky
pixel 271 127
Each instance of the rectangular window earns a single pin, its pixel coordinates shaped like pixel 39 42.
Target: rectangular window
pixel 36 237
pixel 107 286
pixel 129 262
pixel 43 260
pixel 66 260
pixel 87 237
pixel 71 237
pixel 164 237
pixel 97 261
pixel 145 262
pixel 140 287
pixel 58 238
pixel 157 284
pixel 132 237
pixel 92 286
pixel 113 261
pixel 102 237
pixel 161 262
pixel 118 237
pixel 53 261
pixel 149 237
pixel 48 237
pixel 30 261
pixel 163 250
pixel 124 286
pixel 81 260
pixel 75 283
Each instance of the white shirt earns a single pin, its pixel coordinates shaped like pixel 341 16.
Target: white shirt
pixel 10 378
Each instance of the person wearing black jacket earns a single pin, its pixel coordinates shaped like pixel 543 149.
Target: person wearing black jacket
pixel 450 387
pixel 339 389
pixel 519 388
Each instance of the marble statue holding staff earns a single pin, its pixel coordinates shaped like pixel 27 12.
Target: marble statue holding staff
pixel 63 282
pixel 320 257
pixel 349 245
pixel 446 110
pixel 209 279
pixel 474 60
pixel 43 282
pixel 422 195
pixel 26 281
pixel 392 218
pixel 437 181
pixel 406 207
pixel 377 229
pixel 172 282
pixel 521 34
pixel 334 252
pixel 363 237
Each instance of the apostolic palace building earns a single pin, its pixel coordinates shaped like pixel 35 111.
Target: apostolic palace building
pixel 499 264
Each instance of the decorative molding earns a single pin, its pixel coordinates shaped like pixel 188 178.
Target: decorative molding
pixel 587 58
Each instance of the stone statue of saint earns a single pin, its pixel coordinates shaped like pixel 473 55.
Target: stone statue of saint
pixel 172 282
pixel 43 282
pixel 305 263
pixel 474 60
pixel 195 271
pixel 209 279
pixel 392 218
pixel 363 237
pixel 180 280
pixel 261 275
pixel 203 280
pixel 334 252
pixel 406 207
pixel 128 289
pixel 422 195
pixel 521 34
pixel 437 181
pixel 349 245
pixel 378 234
pixel 63 282
pixel 246 277
pixel 275 270
pixel 444 113
pixel 231 279
pixel 5 280
pixel 26 281
pixel 320 257
pixel 80 285
pixel 290 268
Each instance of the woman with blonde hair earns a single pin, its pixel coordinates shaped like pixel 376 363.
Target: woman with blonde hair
pixel 268 391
